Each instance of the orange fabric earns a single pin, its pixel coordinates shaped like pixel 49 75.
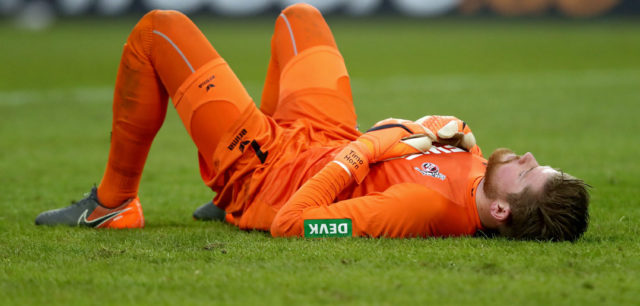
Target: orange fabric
pixel 298 28
pixel 417 196
pixel 307 111
pixel 319 191
pixel 322 97
pixel 210 103
pixel 307 118
pixel 163 49
pixel 302 42
pixel 256 162
pixel 246 184
pixel 166 55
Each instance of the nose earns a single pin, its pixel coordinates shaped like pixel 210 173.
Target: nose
pixel 528 159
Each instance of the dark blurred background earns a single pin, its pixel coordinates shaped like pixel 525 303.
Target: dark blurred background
pixel 38 14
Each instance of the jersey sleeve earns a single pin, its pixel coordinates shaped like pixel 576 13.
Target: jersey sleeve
pixel 403 210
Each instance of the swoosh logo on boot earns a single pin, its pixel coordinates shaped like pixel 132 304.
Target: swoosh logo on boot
pixel 82 220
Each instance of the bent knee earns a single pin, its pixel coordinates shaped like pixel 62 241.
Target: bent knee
pixel 161 22
pixel 302 10
pixel 167 18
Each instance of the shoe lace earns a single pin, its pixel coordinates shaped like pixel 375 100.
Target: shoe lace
pixel 87 196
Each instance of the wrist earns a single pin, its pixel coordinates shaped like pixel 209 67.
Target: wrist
pixel 354 161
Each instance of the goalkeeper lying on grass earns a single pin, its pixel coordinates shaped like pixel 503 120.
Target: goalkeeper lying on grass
pixel 298 166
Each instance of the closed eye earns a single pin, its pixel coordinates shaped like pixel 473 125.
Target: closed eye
pixel 523 173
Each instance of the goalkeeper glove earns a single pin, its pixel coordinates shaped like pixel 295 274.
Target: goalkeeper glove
pixel 449 130
pixel 389 138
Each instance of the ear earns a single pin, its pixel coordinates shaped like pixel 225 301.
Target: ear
pixel 500 210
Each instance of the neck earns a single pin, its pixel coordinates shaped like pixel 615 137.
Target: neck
pixel 483 205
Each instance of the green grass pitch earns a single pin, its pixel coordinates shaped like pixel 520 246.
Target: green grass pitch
pixel 568 91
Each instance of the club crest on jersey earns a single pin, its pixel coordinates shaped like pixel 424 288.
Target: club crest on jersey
pixel 431 170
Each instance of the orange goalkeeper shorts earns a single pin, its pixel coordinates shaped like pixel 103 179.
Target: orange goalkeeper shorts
pixel 315 115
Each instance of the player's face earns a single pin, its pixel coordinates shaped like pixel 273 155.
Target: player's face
pixel 508 173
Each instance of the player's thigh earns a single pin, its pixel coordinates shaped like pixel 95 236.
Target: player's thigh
pixel 211 102
pixel 315 86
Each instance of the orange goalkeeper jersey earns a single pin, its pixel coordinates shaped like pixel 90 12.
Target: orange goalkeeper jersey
pixel 421 195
